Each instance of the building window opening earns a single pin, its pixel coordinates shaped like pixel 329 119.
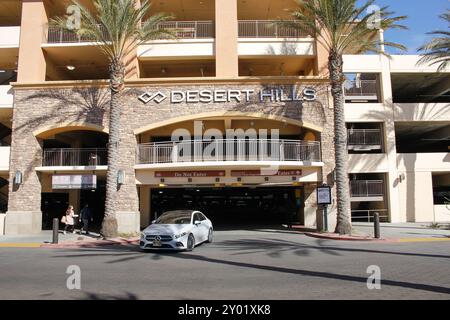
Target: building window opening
pixel 441 189
pixel 76 148
pixel 365 138
pixel 362 88
pixel 368 195
pixel 422 137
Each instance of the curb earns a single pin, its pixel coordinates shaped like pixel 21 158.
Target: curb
pixel 334 236
pixel 90 244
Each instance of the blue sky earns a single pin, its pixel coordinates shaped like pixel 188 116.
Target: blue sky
pixel 422 18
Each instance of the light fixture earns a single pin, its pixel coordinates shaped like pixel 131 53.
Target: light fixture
pixel 163 70
pixel 120 177
pixel 18 178
pixel 70 67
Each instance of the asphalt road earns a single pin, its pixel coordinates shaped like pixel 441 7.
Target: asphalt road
pixel 238 265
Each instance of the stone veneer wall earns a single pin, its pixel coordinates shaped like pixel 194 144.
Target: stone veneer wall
pixel 36 109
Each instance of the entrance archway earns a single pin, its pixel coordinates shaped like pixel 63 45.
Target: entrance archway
pixel 231 192
pixel 73 155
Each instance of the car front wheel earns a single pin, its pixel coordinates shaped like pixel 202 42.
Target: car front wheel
pixel 190 243
pixel 210 236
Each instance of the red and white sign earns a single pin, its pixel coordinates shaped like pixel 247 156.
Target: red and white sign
pixel 258 173
pixel 188 174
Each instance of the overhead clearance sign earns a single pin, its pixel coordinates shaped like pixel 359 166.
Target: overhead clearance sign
pixel 231 95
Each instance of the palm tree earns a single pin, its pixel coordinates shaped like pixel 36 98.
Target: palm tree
pixel 341 26
pixel 119 26
pixel 437 51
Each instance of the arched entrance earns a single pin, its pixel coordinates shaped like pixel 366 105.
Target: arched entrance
pixel 230 184
pixel 73 171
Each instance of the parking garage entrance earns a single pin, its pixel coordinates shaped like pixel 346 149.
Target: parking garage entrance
pixel 231 207
pixel 54 205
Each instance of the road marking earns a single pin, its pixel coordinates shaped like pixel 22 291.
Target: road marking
pixel 423 239
pixel 20 245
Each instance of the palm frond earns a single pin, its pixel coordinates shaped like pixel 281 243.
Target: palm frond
pixel 437 50
pixel 343 25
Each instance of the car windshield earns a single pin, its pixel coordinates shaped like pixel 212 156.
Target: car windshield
pixel 175 217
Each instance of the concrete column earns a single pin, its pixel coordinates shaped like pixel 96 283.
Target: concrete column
pixel 311 209
pixel 321 61
pixel 145 205
pixel 416 196
pixel 227 62
pixel 132 70
pixel 127 198
pixel 24 214
pixel 390 143
pixel 32 65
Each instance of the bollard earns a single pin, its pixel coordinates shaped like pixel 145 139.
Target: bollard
pixel 55 230
pixel 325 218
pixel 376 225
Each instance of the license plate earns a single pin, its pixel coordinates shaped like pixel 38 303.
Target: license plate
pixel 157 243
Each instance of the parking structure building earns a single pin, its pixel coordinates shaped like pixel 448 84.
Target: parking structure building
pixel 234 118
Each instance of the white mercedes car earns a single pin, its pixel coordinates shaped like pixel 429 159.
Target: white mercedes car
pixel 177 230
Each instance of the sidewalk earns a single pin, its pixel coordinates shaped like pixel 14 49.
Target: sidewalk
pixel 390 232
pixel 44 239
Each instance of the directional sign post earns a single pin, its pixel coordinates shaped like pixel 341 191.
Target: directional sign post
pixel 324 199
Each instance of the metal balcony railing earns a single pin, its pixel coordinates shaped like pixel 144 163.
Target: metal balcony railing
pixel 189 29
pixel 270 29
pixel 361 89
pixel 62 157
pixel 366 188
pixel 228 150
pixel 62 35
pixel 182 30
pixel 364 137
pixel 367 215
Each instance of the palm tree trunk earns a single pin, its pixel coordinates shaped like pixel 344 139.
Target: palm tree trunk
pixel 109 225
pixel 335 65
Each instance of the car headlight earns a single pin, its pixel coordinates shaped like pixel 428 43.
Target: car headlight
pixel 142 235
pixel 179 235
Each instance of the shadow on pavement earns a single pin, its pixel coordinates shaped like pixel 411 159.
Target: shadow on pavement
pixel 128 253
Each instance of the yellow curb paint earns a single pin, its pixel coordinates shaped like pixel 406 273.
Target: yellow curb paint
pixel 423 239
pixel 20 245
